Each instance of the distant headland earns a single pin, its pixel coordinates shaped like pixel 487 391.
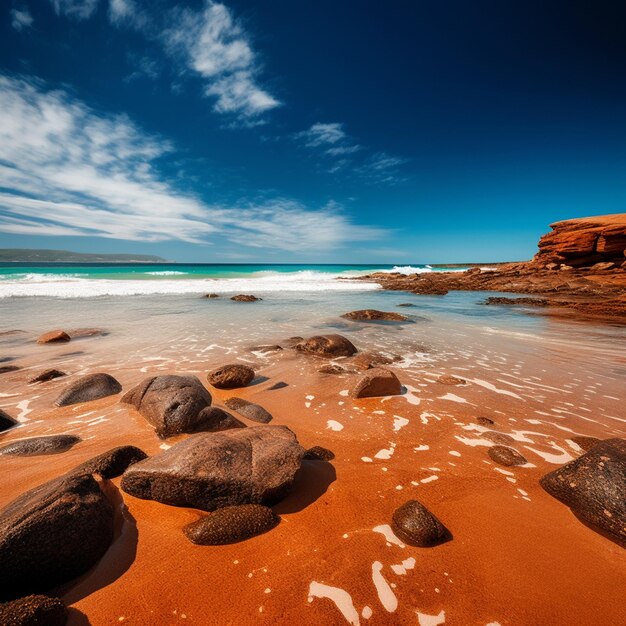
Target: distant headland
pixel 25 255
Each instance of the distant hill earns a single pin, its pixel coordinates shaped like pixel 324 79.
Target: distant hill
pixel 19 255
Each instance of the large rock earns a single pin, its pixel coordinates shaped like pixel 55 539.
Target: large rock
pixel 594 487
pixel 377 382
pixel 6 421
pixel 414 524
pixel 54 336
pixel 34 611
pixel 212 470
pixel 327 345
pixel 172 404
pixel 231 525
pixel 112 463
pixel 34 446
pixel 231 376
pixel 89 387
pixel 250 410
pixel 373 315
pixel 52 534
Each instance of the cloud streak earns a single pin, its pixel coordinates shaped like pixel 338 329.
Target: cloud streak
pixel 21 19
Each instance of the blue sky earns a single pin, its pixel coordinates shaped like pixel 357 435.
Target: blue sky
pixel 281 131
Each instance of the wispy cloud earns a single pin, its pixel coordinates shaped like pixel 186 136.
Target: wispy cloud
pixel 21 19
pixel 76 9
pixel 68 170
pixel 382 168
pixel 127 12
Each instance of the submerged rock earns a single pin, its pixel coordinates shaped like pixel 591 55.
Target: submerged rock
pixel 594 487
pixel 327 345
pixel 52 534
pixel 231 525
pixel 231 376
pixel 88 388
pixel 34 446
pixel 47 375
pixel 34 611
pixel 506 456
pixel 373 315
pixel 266 348
pixel 245 298
pixel 112 463
pixel 250 410
pixel 317 453
pixel 6 421
pixel 414 524
pixel 172 404
pixel 209 471
pixel 54 336
pixel 377 382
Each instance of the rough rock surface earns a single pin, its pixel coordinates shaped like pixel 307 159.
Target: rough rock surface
pixel 331 368
pixel 47 375
pixel 54 336
pixel 172 404
pixel 6 421
pixel 33 611
pixel 245 298
pixel 517 301
pixel 503 455
pixel 327 345
pixel 317 453
pixel 586 443
pixel 231 376
pixel 373 315
pixel 214 419
pixel 209 471
pixel 447 379
pixel 231 525
pixel 414 524
pixel 499 438
pixel 377 382
pixel 485 421
pixel 52 534
pixel 250 410
pixel 112 463
pixel 34 446
pixel 594 487
pixel 89 387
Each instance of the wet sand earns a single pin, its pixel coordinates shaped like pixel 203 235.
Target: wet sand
pixel 517 555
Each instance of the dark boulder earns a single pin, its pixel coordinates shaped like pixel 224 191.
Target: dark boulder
pixel 52 534
pixel 245 298
pixel 499 438
pixel 377 382
pixel 54 336
pixel 327 345
pixel 593 486
pixel 34 611
pixel 503 455
pixel 47 375
pixel 373 315
pixel 89 387
pixel 231 525
pixel 214 419
pixel 250 410
pixel 485 421
pixel 231 376
pixel 34 446
pixel 317 453
pixel 414 524
pixel 112 463
pixel 172 404
pixel 209 471
pixel 6 421
pixel 5 369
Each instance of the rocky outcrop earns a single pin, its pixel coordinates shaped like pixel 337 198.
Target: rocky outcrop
pixel 52 534
pixel 414 524
pixel 209 471
pixel 172 404
pixel 46 375
pixel 327 346
pixel 88 388
pixel 231 525
pixel 34 611
pixel 249 410
pixel 54 336
pixel 6 421
pixel 112 463
pixel 377 382
pixel 373 315
pixel 34 446
pixel 593 486
pixel 231 376
pixel 503 455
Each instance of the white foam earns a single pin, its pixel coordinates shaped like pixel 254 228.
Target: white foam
pixel 341 598
pixel 334 425
pixel 385 594
pixel 431 620
pixel 388 534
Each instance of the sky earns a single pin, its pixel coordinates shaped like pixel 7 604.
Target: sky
pixel 329 131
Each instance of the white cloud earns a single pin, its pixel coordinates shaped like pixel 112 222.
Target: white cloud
pixel 77 9
pixel 323 134
pixel 21 19
pixel 67 170
pixel 213 45
pixel 126 12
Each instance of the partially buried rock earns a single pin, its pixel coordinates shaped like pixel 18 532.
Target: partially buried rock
pixel 414 524
pixel 451 380
pixel 245 298
pixel 503 455
pixel 500 438
pixel 35 446
pixel 231 525
pixel 89 387
pixel 485 421
pixel 214 419
pixel 317 453
pixel 327 345
pixel 209 471
pixel 172 404
pixel 594 486
pixel 52 534
pixel 34 611
pixel 112 463
pixel 377 382
pixel 47 375
pixel 211 295
pixel 6 421
pixel 250 410
pixel 586 443
pixel 373 315
pixel 231 376
pixel 5 369
pixel 54 336
pixel 265 349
